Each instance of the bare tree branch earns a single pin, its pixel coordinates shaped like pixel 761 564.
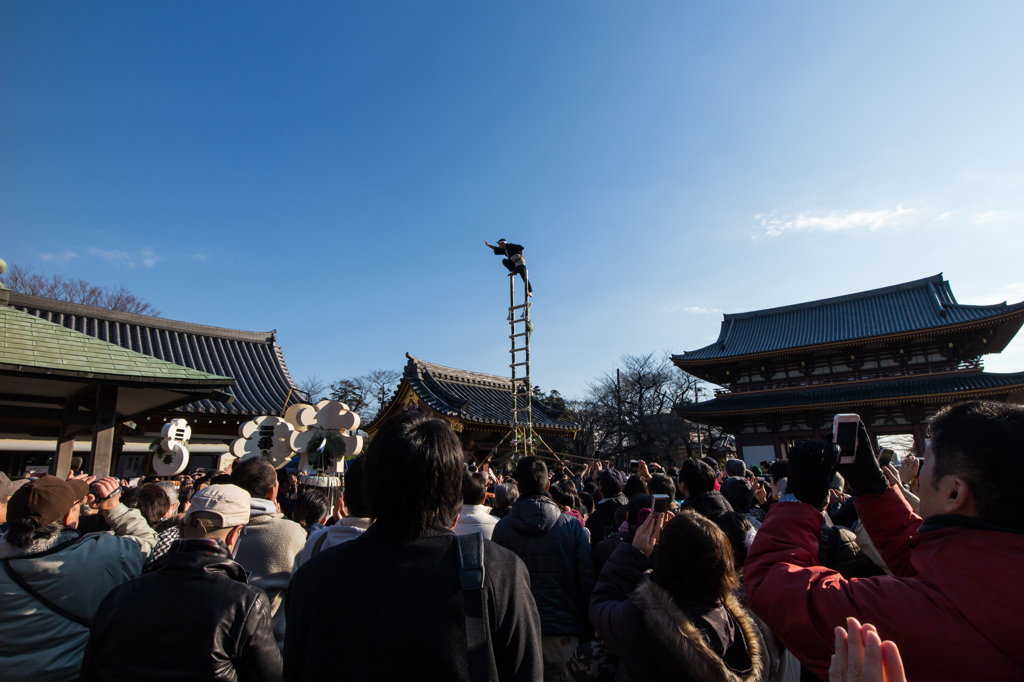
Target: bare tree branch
pixel 23 281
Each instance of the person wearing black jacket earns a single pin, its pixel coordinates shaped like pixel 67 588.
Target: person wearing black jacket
pixel 697 483
pixel 513 260
pixel 556 551
pixel 389 605
pixel 601 523
pixel 194 617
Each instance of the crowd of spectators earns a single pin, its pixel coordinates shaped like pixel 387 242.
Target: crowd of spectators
pixel 424 567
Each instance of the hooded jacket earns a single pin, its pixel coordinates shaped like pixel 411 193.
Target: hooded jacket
pixel 710 504
pixel 656 639
pixel 192 618
pixel 952 604
pixel 74 572
pixel 270 548
pixel 556 551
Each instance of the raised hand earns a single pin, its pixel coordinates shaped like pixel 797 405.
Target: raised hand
pixel 909 468
pixel 648 534
pixel 107 496
pixel 862 656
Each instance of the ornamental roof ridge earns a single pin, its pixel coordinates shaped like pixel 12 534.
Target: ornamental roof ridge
pixel 52 305
pixel 417 367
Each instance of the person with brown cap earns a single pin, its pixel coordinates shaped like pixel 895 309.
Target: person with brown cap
pixel 54 578
pixel 227 636
pixel 7 488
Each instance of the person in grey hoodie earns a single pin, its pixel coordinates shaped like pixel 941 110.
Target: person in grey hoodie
pixel 351 525
pixel 556 550
pixel 270 545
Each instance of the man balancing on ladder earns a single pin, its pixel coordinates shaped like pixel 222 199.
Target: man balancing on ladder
pixel 513 260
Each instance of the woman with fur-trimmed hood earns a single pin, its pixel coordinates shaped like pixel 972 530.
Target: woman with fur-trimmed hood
pixel 681 621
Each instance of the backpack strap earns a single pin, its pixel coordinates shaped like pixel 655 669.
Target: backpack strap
pixel 317 545
pixel 21 582
pixel 471 575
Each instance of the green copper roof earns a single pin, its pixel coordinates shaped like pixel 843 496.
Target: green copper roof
pixel 30 342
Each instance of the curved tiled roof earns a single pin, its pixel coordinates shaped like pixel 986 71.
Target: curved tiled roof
pixel 474 397
pixel 253 359
pixel 958 385
pixel 916 306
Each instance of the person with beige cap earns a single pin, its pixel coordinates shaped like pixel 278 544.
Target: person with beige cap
pixel 222 631
pixel 53 578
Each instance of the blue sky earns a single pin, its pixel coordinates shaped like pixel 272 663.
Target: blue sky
pixel 331 170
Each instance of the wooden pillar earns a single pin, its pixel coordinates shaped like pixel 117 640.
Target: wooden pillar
pixel 65 451
pixel 777 442
pixel 104 433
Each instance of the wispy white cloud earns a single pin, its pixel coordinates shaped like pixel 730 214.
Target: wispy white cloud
pixel 201 256
pixel 150 257
pixel 700 310
pixel 774 224
pixel 62 257
pixel 117 256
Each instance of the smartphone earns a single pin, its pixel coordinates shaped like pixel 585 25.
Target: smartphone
pixel 885 457
pixel 642 516
pixel 661 503
pixel 634 464
pixel 844 434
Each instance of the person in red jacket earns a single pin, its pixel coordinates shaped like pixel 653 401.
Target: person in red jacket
pixel 953 604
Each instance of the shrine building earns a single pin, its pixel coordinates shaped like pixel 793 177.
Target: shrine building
pixel 895 356
pixel 478 407
pixel 224 377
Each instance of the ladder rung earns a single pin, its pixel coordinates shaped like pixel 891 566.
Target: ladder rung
pixel 517 307
pixel 522 409
pixel 519 364
pixel 520 379
pixel 517 350
pixel 519 334
pixel 520 319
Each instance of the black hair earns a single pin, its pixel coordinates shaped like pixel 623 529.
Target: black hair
pixel 474 487
pixel 735 526
pixel 413 475
pixel 564 494
pixel 151 500
pixel 694 560
pixel 610 484
pixel 636 503
pixel 221 479
pixel 661 484
pixel 355 500
pixel 778 470
pixel 255 476
pixel 532 476
pixel 634 486
pixel 697 476
pixel 312 506
pixel 981 442
pixel 587 502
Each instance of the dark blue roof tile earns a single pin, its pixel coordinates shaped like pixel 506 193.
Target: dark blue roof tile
pixel 917 306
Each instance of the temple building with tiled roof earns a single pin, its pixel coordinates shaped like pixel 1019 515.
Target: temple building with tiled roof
pixel 478 406
pixel 894 355
pixel 258 379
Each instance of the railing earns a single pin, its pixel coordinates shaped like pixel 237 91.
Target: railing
pixel 831 380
